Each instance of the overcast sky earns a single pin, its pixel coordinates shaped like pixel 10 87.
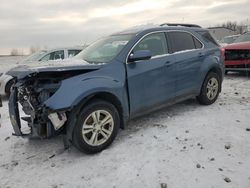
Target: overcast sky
pixel 55 23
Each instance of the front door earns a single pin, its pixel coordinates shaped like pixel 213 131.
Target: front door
pixel 151 82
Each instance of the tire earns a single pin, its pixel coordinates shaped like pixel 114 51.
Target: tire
pixel 8 87
pixel 97 135
pixel 208 94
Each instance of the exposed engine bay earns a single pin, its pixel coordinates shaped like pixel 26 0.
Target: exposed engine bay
pixel 29 93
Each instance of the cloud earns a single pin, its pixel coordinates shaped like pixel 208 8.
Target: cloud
pixel 62 22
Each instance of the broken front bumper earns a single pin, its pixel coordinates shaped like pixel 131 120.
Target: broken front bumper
pixel 49 124
pixel 14 113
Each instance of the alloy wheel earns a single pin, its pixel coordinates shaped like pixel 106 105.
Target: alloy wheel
pixel 212 88
pixel 97 127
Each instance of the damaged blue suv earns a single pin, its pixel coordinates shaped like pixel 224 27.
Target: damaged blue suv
pixel 119 77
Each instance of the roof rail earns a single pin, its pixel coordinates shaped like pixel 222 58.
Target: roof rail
pixel 177 24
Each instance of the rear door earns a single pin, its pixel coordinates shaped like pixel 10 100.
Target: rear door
pixel 151 82
pixel 188 54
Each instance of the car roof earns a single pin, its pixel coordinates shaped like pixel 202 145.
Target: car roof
pixel 152 27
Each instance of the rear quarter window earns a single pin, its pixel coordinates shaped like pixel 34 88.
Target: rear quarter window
pixel 197 43
pixel 208 37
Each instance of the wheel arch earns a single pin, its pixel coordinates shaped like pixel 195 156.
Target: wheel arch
pixel 215 69
pixel 106 96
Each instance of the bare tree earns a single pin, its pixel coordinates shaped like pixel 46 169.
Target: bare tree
pixel 34 49
pixel 239 28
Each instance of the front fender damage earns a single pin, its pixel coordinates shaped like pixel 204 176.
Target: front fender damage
pixel 42 122
pixel 74 93
pixel 52 103
pixel 28 99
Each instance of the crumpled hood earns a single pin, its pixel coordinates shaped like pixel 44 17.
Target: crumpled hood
pixel 24 70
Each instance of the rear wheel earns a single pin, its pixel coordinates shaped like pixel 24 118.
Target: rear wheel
pixel 210 89
pixel 96 127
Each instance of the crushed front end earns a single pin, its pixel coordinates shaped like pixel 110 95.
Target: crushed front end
pixel 33 87
pixel 29 95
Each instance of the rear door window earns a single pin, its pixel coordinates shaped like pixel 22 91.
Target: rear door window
pixel 72 53
pixel 181 41
pixel 156 43
pixel 57 55
pixel 54 56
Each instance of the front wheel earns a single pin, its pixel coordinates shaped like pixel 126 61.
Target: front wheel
pixel 210 89
pixel 96 127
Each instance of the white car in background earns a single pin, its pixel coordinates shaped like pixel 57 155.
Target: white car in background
pixel 6 81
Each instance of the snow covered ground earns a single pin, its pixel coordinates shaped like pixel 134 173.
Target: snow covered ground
pixel 183 146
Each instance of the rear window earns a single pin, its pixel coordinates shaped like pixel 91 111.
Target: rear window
pixel 181 41
pixel 208 37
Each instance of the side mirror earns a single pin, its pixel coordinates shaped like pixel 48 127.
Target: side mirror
pixel 140 55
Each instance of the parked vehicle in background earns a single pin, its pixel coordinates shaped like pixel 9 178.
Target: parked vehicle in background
pixel 115 79
pixel 53 54
pixel 6 81
pixel 237 55
pixel 243 38
pixel 228 40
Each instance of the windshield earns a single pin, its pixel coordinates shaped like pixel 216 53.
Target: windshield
pixel 35 56
pixel 243 38
pixel 229 40
pixel 104 50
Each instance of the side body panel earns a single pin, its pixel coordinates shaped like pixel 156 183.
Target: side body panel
pixel 187 69
pixel 212 60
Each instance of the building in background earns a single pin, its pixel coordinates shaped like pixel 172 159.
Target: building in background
pixel 220 32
